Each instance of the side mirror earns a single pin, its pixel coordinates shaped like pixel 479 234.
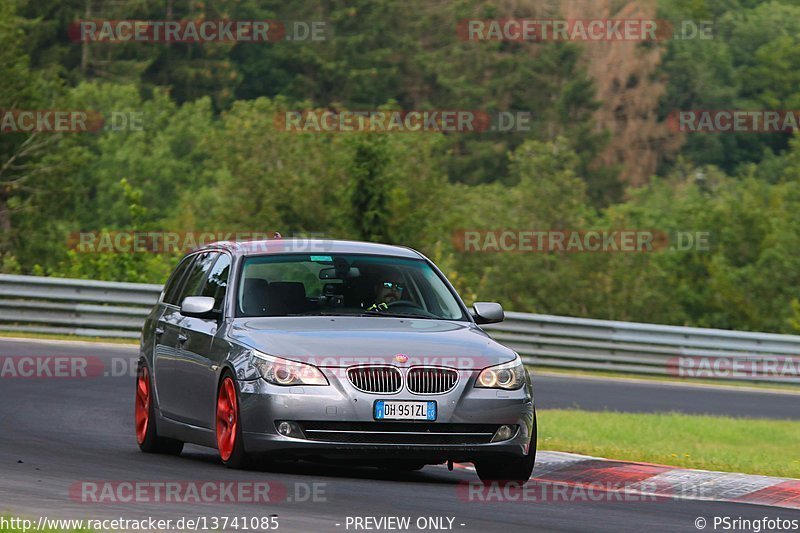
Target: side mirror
pixel 198 307
pixel 487 312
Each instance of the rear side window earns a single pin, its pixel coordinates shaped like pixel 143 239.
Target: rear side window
pixel 175 282
pixel 198 274
pixel 217 282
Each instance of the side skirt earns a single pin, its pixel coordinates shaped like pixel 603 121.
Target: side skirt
pixel 185 432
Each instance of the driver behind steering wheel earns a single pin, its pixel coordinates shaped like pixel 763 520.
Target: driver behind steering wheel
pixel 387 291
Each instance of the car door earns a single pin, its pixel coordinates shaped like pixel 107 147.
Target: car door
pixel 203 353
pixel 165 334
pixel 176 368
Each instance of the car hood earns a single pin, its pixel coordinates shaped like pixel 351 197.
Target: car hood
pixel 347 341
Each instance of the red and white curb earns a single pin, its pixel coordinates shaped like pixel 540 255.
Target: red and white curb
pixel 658 481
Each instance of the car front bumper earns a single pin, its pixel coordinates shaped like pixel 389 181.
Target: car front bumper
pixel 466 411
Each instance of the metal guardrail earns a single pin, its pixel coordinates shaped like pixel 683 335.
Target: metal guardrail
pixel 589 344
pixel 111 309
pixel 74 306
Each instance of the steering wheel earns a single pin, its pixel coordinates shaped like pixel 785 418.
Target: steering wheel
pixel 405 303
pixel 414 308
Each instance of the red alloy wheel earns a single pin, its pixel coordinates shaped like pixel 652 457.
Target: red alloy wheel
pixel 142 404
pixel 227 418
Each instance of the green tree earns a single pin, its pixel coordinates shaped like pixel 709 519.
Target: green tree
pixel 21 171
pixel 370 196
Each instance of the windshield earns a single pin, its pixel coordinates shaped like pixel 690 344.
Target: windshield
pixel 357 285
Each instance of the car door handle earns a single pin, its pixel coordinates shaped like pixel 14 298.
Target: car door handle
pixel 183 338
pixel 159 332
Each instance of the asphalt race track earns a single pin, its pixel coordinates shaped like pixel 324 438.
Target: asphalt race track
pixel 594 394
pixel 56 433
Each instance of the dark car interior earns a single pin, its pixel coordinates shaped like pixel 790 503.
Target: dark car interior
pixel 351 295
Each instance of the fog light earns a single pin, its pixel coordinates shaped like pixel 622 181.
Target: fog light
pixel 290 429
pixel 503 433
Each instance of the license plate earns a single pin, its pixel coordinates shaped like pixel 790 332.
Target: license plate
pixel 394 410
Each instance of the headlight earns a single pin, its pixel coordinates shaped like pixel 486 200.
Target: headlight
pixel 282 372
pixel 509 376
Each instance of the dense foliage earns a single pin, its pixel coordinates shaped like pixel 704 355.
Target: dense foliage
pixel 209 155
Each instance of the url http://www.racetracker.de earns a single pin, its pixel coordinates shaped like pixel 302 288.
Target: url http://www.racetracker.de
pixel 178 525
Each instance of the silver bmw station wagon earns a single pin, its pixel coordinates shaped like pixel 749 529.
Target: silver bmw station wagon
pixel 330 350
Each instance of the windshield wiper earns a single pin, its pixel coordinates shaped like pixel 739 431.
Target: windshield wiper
pixel 399 315
pixel 365 314
pixel 324 313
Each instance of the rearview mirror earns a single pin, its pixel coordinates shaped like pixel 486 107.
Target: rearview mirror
pixel 333 273
pixel 198 307
pixel 487 312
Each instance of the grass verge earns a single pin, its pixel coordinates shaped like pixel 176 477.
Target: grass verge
pixel 767 447
pixel 61 337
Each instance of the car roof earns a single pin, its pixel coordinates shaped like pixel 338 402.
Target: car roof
pixel 311 246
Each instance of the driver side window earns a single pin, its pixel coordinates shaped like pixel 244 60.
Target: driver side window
pixel 175 283
pixel 217 284
pixel 197 275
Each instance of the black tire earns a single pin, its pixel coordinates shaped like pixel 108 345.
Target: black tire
pixel 152 443
pixel 239 458
pixel 509 468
